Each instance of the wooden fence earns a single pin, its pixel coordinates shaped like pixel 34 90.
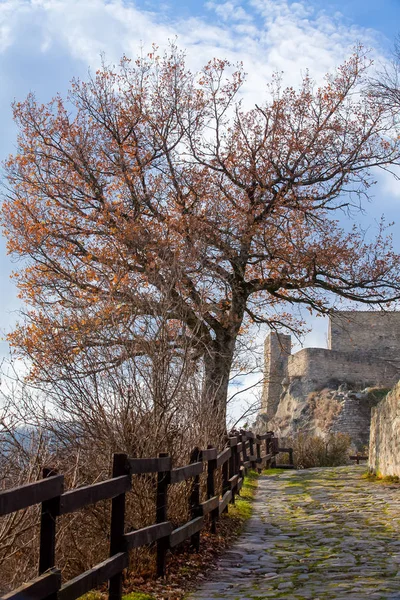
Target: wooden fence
pixel 357 457
pixel 243 451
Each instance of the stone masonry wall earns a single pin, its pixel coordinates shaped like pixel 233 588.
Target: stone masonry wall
pixel 326 367
pixel 384 446
pixel 355 415
pixel 377 332
pixel 277 349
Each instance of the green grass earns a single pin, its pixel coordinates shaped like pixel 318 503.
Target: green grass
pixel 273 471
pixel 243 504
pixel 377 478
pixel 131 596
pixel 138 596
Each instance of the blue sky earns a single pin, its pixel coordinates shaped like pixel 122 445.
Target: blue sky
pixel 44 43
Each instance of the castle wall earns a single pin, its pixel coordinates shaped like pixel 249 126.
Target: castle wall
pixel 326 367
pixel 384 445
pixel 364 351
pixel 277 349
pixel 355 417
pixel 366 331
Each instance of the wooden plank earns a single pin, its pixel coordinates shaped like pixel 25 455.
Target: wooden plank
pixel 94 577
pixel 266 436
pixel 284 449
pixel 226 498
pixel 223 456
pixel 90 494
pixel 358 457
pixel 147 535
pixel 47 539
pixel 194 500
pixel 250 435
pixel 117 525
pixel 183 473
pixel 209 505
pixel 233 481
pixel 37 589
pixel 266 457
pixel 209 454
pixel 149 465
pixel 186 531
pixel 233 441
pixel 30 494
pixel 247 464
pixel 211 469
pixel 240 483
pixel 239 447
pixel 252 458
pixel 163 480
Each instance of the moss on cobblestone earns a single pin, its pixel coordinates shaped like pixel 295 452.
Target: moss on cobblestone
pixel 321 533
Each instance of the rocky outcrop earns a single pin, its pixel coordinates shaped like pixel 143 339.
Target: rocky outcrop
pixel 384 448
pixel 328 410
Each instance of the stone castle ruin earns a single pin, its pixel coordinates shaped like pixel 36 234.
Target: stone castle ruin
pixel 332 389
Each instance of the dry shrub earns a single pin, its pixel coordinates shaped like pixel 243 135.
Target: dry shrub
pixel 314 451
pixel 74 427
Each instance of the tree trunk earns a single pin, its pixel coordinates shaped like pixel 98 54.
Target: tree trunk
pixel 217 367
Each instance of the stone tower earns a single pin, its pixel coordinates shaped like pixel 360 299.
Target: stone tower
pixel 277 349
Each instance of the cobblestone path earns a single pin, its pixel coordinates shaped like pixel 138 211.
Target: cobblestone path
pixel 315 534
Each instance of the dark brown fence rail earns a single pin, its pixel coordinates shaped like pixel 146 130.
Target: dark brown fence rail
pixel 243 450
pixel 357 457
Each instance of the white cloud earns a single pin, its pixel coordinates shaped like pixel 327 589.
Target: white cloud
pixel 44 42
pixel 229 11
pixel 267 35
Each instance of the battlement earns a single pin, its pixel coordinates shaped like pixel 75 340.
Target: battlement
pixel 364 350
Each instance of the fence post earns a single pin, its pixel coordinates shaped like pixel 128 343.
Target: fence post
pixel 274 449
pixel 243 438
pixel 211 467
pixel 253 462
pixel 291 456
pixel 163 481
pixel 269 447
pixel 258 450
pixel 234 466
pixel 194 500
pixel 50 511
pixel 117 529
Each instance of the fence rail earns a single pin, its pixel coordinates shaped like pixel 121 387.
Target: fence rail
pixel 357 457
pixel 243 450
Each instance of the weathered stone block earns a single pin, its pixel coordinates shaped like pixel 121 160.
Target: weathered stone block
pixel 384 445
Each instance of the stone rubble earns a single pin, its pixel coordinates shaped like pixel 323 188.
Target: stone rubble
pixel 315 534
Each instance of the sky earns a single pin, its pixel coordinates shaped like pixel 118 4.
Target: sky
pixel 44 43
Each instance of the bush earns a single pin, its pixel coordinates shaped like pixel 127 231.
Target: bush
pixel 314 451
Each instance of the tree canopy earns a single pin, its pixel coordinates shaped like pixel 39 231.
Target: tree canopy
pixel 151 196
